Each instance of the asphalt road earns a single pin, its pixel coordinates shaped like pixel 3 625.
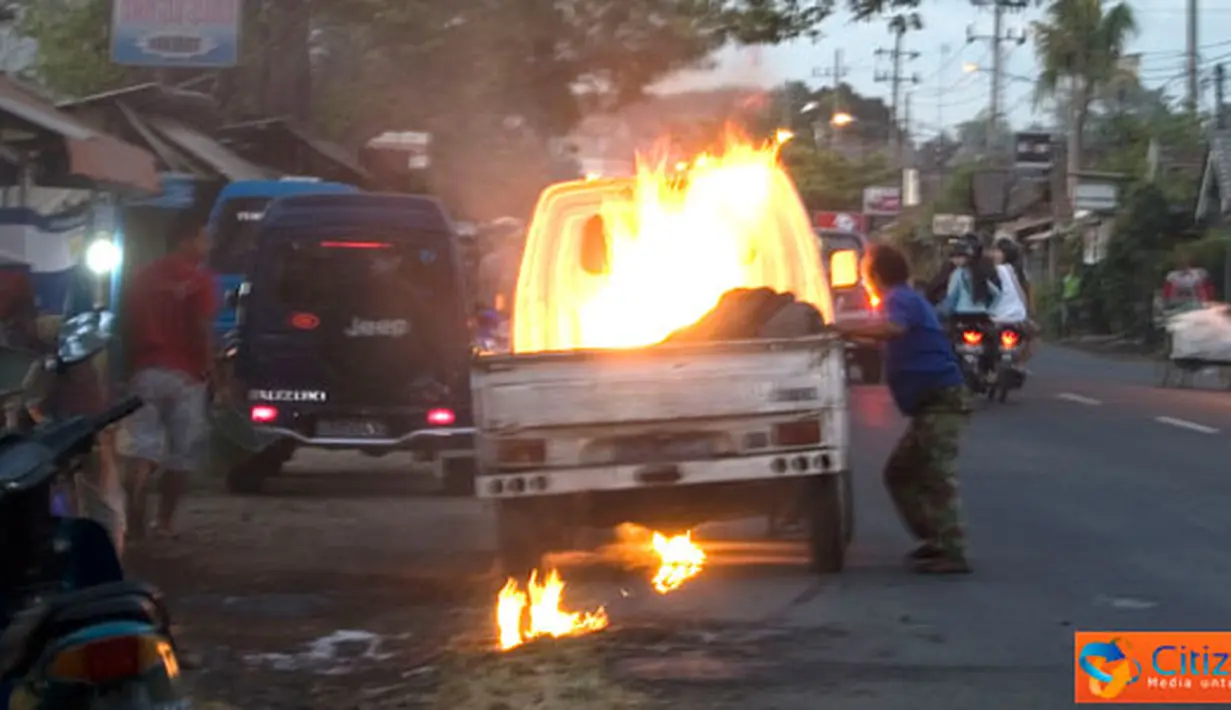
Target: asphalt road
pixel 1095 502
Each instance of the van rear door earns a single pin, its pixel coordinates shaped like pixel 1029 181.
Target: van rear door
pixel 374 321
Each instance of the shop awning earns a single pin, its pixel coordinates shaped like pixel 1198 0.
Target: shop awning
pixel 293 150
pixel 79 157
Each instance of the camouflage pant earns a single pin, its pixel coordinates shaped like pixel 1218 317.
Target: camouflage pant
pixel 921 473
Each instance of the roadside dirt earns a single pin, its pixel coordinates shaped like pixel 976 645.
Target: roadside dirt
pixel 340 588
pixel 349 586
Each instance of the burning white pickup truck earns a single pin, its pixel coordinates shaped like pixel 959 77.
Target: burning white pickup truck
pixel 629 397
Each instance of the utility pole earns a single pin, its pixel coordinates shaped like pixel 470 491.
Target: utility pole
pixel 997 38
pixel 836 73
pixel 1220 76
pixel 1220 120
pixel 906 123
pixel 1193 102
pixel 896 79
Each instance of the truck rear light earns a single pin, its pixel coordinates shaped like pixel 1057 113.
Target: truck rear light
pixel 521 452
pixel 264 414
pixel 441 416
pixel 756 440
pixel 801 433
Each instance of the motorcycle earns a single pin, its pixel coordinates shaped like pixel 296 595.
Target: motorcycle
pixel 991 368
pixel 76 633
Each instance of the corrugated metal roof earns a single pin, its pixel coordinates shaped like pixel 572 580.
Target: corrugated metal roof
pixel 92 156
pixel 208 150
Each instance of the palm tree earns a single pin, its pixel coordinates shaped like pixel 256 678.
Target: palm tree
pixel 1080 44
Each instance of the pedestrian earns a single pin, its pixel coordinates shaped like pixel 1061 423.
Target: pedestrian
pixel 926 384
pixel 167 318
pixel 1069 295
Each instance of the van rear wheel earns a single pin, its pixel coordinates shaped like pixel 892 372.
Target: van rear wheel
pixel 248 478
pixel 827 522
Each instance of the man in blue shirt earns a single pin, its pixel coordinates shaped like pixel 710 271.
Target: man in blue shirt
pixel 926 383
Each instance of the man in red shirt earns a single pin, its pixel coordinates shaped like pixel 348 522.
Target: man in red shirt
pixel 168 313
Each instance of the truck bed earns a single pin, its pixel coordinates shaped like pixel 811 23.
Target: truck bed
pixel 658 384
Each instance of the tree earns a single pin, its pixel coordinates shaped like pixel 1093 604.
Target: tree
pixel 1079 45
pixel 493 80
pixel 827 180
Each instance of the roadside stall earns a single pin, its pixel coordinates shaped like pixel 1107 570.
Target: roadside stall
pixel 56 175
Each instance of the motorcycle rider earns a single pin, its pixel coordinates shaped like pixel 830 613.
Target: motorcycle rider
pixel 973 291
pixel 1016 307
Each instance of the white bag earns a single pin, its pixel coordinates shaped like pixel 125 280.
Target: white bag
pixel 1203 334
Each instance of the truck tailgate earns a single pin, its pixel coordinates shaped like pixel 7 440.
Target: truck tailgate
pixel 664 383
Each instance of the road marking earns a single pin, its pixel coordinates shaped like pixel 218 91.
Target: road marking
pixel 1185 424
pixel 1080 399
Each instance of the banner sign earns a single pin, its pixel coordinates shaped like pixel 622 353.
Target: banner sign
pixel 841 221
pixel 882 200
pixel 952 225
pixel 175 33
pixel 66 220
pixel 178 193
pixel 1032 150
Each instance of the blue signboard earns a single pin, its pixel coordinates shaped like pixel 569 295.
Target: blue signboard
pixel 178 193
pixel 175 33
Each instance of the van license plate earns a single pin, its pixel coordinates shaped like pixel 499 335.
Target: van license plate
pixel 352 428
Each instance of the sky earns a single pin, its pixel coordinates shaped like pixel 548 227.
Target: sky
pixel 948 92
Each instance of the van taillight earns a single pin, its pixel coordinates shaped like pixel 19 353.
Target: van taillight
pixel 356 245
pixel 264 414
pixel 441 416
pixel 521 452
pixel 798 433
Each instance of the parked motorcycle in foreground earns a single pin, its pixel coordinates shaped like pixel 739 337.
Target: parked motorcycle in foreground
pixel 76 634
pixel 990 356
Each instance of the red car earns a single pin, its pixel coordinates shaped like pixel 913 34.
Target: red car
pixel 853 301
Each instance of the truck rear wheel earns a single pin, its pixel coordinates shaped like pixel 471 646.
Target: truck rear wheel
pixel 522 540
pixel 871 367
pixel 848 499
pixel 827 521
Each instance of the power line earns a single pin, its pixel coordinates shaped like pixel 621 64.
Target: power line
pixel 896 79
pixel 995 40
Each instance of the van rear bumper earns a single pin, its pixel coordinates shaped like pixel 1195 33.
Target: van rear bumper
pixel 411 439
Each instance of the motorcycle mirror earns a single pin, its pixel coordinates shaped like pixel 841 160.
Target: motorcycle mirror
pixel 83 336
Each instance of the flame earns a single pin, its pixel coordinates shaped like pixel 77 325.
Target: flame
pixel 525 615
pixel 680 558
pixel 675 243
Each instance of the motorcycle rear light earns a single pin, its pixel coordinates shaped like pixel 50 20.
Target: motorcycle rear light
pixel 263 414
pixel 356 245
pixel 106 660
pixel 521 452
pixel 1009 339
pixel 972 337
pixel 798 433
pixel 441 416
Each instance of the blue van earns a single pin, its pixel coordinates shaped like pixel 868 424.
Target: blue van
pixel 233 225
pixel 353 334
